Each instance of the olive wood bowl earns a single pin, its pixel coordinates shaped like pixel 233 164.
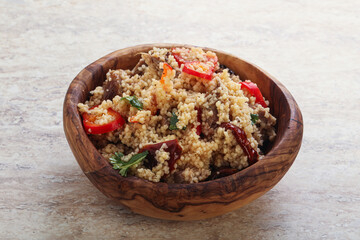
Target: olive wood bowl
pixel 185 201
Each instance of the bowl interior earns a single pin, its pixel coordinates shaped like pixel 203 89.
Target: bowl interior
pixel 185 201
pixel 279 106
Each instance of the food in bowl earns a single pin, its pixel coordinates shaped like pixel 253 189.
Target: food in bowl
pixel 178 117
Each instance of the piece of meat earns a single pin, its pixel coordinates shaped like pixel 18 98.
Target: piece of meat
pixel 209 125
pixel 111 86
pixel 267 121
pixel 167 56
pixel 99 140
pixel 153 105
pixel 175 177
pixel 172 146
pixel 111 89
pixel 178 177
pixel 136 70
pixel 221 172
pixel 266 128
pixel 153 62
pixel 165 122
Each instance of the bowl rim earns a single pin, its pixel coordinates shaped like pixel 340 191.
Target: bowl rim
pixel 295 124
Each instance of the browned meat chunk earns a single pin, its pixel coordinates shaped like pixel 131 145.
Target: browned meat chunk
pixel 112 86
pixel 210 116
pixel 111 89
pixel 136 68
pixel 98 140
pixel 221 172
pixel 153 62
pixel 266 120
pixel 209 125
pixel 176 177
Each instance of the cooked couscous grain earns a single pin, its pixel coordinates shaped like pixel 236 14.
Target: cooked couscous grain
pixel 192 117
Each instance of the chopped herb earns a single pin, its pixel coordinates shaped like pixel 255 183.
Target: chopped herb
pixel 124 166
pixel 254 118
pixel 116 158
pixel 173 120
pixel 134 102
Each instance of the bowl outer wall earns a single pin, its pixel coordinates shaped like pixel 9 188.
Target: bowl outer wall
pixel 184 201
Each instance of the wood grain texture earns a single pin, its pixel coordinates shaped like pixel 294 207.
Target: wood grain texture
pixel 185 201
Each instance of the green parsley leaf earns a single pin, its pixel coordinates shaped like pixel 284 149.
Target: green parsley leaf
pixel 119 164
pixel 134 102
pixel 254 118
pixel 173 120
pixel 116 159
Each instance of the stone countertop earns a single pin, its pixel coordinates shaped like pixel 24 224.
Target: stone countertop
pixel 312 47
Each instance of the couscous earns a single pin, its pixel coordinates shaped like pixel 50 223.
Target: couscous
pixel 178 116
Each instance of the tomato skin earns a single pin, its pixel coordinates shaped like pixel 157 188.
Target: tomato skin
pixel 166 72
pixel 254 91
pixel 131 119
pixel 173 147
pixel 242 140
pixel 208 65
pixel 92 128
pixel 177 55
pixel 178 59
pixel 205 75
pixel 166 77
pixel 214 60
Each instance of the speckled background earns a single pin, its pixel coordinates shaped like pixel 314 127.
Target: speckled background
pixel 312 47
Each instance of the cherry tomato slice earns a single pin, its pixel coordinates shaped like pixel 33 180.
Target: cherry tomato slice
pixel 177 55
pixel 93 128
pixel 199 69
pixel 254 91
pixel 166 72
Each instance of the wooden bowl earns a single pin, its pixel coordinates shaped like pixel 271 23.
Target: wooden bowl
pixel 185 201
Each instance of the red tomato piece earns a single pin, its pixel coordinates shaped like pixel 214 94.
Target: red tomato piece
pixel 93 128
pixel 199 69
pixel 242 140
pixel 254 91
pixel 166 72
pixel 173 147
pixel 179 59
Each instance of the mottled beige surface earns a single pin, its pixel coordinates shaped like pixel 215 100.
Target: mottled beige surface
pixel 313 47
